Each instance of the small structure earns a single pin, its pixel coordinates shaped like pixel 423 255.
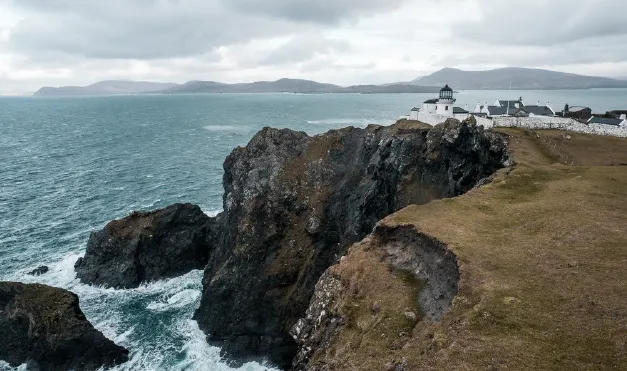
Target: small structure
pixel 620 122
pixel 439 109
pixel 580 113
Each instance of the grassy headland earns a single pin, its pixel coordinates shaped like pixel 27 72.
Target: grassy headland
pixel 542 252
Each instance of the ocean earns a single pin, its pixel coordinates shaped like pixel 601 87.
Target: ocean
pixel 70 165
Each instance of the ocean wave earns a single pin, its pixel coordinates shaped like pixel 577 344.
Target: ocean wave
pixel 225 128
pixel 153 321
pixel 343 122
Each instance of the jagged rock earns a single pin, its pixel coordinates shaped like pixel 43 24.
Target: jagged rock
pixel 44 327
pixel 148 246
pixel 39 271
pixel 293 204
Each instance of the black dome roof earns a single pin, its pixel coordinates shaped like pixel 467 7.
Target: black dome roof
pixel 446 88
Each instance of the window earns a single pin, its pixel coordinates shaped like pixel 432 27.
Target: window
pixel 447 108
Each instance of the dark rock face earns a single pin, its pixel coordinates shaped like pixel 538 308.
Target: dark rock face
pixel 404 248
pixel 39 271
pixel 148 246
pixel 293 204
pixel 44 327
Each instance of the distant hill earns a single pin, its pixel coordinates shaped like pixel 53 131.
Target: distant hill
pixel 112 87
pixel 520 78
pixel 292 86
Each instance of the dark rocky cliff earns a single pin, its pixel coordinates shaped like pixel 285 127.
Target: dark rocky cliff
pixel 148 246
pixel 293 204
pixel 44 327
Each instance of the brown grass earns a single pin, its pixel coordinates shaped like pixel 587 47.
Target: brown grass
pixel 543 258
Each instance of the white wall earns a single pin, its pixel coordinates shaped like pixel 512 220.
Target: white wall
pixel 559 123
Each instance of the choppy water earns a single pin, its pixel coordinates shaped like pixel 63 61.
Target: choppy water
pixel 67 166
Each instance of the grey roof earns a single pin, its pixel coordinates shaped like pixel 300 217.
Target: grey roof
pixel 497 111
pixel 431 101
pixel 605 121
pixel 512 103
pixel 577 108
pixel 415 109
pixel 538 110
pixel 459 110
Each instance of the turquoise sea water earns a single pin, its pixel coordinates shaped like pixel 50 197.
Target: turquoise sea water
pixel 68 166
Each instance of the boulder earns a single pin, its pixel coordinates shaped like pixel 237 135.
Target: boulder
pixel 147 246
pixel 39 271
pixel 293 204
pixel 44 327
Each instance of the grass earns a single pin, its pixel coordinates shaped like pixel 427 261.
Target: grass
pixel 543 260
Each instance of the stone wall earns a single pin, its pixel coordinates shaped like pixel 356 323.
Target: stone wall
pixel 558 123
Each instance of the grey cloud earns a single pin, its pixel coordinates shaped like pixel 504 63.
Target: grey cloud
pixel 135 29
pixel 304 47
pixel 586 51
pixel 316 11
pixel 545 22
pixel 157 29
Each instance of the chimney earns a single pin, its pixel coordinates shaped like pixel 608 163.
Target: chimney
pixel 623 117
pixel 537 104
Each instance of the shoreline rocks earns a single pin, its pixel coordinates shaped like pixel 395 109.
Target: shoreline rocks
pixel 44 327
pixel 39 271
pixel 293 204
pixel 148 246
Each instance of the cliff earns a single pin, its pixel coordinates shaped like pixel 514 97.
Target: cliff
pixel 524 273
pixel 45 328
pixel 293 204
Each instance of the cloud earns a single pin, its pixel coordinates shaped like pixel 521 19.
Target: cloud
pixel 544 22
pixel 319 11
pixel 141 29
pixel 304 47
pixel 154 29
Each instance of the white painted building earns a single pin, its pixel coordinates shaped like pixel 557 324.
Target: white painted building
pixel 435 111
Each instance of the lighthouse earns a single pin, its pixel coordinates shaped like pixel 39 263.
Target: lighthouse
pixel 444 105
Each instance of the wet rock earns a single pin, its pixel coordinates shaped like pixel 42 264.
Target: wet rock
pixel 148 246
pixel 293 204
pixel 39 271
pixel 45 328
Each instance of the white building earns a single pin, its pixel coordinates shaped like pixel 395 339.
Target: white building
pixel 435 111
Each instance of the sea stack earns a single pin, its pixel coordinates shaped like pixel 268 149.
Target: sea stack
pixel 148 246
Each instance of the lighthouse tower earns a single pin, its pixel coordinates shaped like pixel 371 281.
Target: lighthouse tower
pixel 446 101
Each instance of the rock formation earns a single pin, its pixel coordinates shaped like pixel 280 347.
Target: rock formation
pixel 39 271
pixel 293 204
pixel 148 246
pixel 45 328
pixel 428 261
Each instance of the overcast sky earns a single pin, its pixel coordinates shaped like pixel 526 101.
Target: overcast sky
pixel 77 42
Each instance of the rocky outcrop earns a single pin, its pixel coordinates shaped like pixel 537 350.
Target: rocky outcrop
pixel 39 271
pixel 403 248
pixel 293 204
pixel 45 328
pixel 148 246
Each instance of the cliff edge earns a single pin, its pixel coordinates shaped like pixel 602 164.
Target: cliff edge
pixel 293 204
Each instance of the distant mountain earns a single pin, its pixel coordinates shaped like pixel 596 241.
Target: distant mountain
pixel 520 78
pixel 105 88
pixel 292 86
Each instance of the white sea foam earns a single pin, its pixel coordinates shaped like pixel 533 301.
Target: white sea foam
pixel 211 213
pixel 225 128
pixel 179 345
pixel 342 122
pixel 178 300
